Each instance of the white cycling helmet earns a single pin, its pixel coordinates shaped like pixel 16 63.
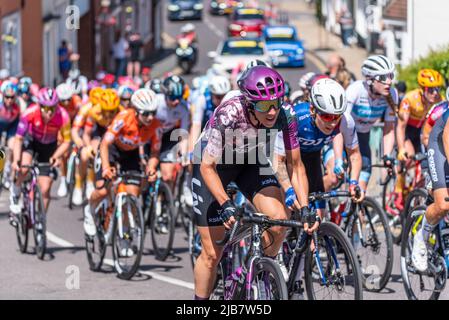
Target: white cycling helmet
pixel 376 66
pixel 4 74
pixel 144 100
pixel 219 85
pixel 189 27
pixel 74 73
pixel 297 95
pixel 329 97
pixel 257 62
pixel 304 81
pixel 64 91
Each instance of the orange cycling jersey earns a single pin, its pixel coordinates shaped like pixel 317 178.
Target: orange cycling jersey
pixel 96 116
pixel 413 104
pixel 127 135
pixel 80 119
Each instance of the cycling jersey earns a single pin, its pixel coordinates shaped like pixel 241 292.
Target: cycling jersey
pixel 366 110
pixel 31 124
pixel 9 115
pixel 311 138
pixel 233 115
pixel 433 115
pixel 436 155
pixel 202 109
pixel 95 116
pixel 171 118
pixel 413 104
pixel 74 106
pixel 81 117
pixel 128 135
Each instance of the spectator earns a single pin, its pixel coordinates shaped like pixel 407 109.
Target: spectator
pixel 344 77
pixel 135 45
pixel 120 49
pixel 344 18
pixel 64 53
pixel 334 64
pixel 145 76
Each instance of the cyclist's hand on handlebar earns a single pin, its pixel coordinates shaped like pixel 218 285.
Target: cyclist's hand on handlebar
pixel 55 162
pixel 310 220
pixel 108 173
pixel 402 155
pixel 227 214
pixel 15 166
pixel 357 193
pixel 291 202
pixel 388 161
pixel 152 175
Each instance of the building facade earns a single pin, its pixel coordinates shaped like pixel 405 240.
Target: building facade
pixel 31 31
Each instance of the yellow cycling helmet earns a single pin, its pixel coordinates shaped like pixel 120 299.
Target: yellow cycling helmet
pixel 186 92
pixel 109 100
pixel 95 95
pixel 429 78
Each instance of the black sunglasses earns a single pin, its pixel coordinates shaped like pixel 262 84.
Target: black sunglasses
pixel 147 113
pixel 9 97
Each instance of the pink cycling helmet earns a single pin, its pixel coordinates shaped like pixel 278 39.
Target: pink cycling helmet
pixel 261 83
pixel 47 97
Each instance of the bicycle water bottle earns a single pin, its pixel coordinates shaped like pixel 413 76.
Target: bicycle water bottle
pixel 337 212
pixel 444 233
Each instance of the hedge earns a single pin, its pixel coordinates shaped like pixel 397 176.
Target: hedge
pixel 438 60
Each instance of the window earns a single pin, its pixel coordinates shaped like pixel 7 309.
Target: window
pixel 11 35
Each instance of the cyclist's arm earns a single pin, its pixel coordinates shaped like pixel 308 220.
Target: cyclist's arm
pixel 197 110
pixel 400 128
pixel 104 153
pixel 210 175
pixel 337 144
pixel 65 145
pixel 355 157
pixel 298 174
pixel 155 151
pixel 17 151
pixel 281 172
pixel 76 137
pixel 88 130
pixel 388 137
pixel 425 133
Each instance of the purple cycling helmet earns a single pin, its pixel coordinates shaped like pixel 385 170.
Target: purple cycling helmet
pixel 261 83
pixel 47 97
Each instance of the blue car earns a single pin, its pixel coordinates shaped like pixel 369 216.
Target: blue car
pixel 284 47
pixel 185 10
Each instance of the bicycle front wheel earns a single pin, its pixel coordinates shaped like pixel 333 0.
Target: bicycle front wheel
pixel 163 223
pixel 40 224
pixel 267 281
pixel 22 232
pixel 96 245
pixel 334 273
pixel 71 170
pixel 127 238
pixel 418 285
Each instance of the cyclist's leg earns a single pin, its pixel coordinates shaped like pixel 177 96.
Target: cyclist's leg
pixel 365 150
pixel 330 178
pixel 168 171
pixel 168 159
pixel 100 191
pixel 44 153
pixel 312 161
pixel 210 228
pixel 412 143
pixel 45 183
pixel 260 186
pixel 62 191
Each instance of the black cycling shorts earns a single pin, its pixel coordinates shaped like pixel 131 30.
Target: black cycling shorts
pixel 414 135
pixel 312 163
pixel 98 132
pixel 250 179
pixel 128 161
pixel 41 152
pixel 169 148
pixel 438 165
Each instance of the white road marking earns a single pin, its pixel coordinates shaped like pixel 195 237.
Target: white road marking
pixel 180 283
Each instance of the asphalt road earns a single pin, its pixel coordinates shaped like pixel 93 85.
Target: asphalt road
pixel 23 276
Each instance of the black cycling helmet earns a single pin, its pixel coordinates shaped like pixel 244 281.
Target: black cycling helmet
pixel 173 87
pixel 155 85
pixel 287 89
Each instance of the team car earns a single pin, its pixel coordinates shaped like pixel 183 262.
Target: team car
pixel 284 47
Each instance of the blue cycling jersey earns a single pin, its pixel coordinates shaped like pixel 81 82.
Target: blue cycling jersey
pixel 311 138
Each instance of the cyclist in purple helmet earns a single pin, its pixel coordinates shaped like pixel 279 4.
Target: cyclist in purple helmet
pixel 233 149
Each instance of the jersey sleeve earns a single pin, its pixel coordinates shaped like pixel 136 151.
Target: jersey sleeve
pixel 290 128
pixel 279 147
pixel 80 118
pixel 185 120
pixel 116 127
pixel 24 122
pixel 156 139
pixel 65 128
pixel 351 97
pixel 347 128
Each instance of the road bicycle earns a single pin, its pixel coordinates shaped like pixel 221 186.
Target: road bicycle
pixel 32 214
pixel 366 225
pixel 429 284
pixel 119 224
pixel 159 217
pixel 72 164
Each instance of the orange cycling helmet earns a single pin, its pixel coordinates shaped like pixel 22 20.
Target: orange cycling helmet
pixel 95 95
pixel 429 78
pixel 109 100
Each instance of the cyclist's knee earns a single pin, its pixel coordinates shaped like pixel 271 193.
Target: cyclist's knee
pixel 210 259
pixel 442 207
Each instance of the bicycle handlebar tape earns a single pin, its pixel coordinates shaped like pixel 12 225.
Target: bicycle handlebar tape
pixel 2 160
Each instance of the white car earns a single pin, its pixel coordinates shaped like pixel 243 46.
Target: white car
pixel 238 52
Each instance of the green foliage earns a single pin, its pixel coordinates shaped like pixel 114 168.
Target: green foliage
pixel 437 60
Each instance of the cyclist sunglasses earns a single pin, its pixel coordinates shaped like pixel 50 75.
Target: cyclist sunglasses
pixel 265 106
pixel 9 97
pixel 433 90
pixel 329 117
pixel 173 98
pixel 147 113
pixel 47 108
pixel 383 77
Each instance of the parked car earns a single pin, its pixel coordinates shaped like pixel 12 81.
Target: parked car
pixel 247 22
pixel 185 10
pixel 235 52
pixel 222 7
pixel 284 47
